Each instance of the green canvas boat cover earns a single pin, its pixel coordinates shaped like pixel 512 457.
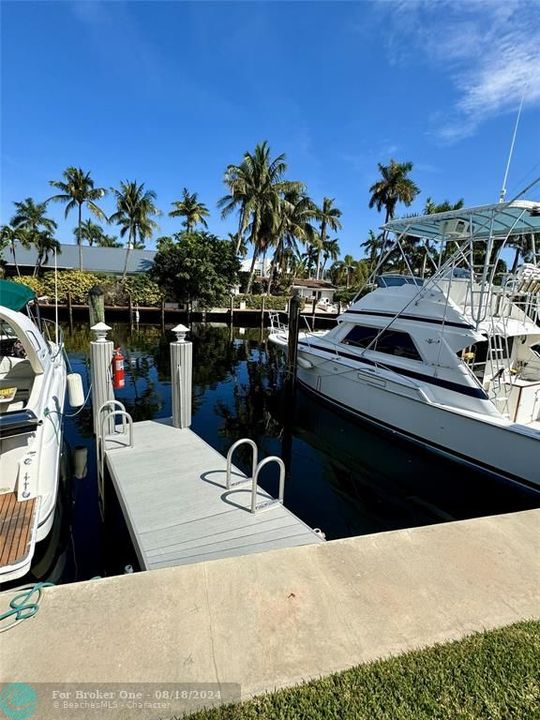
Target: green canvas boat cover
pixel 14 295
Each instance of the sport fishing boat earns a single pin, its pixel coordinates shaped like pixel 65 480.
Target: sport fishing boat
pixel 450 361
pixel 32 392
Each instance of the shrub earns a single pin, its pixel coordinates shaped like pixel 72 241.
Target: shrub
pixel 254 302
pixel 34 283
pixel 143 290
pixel 75 282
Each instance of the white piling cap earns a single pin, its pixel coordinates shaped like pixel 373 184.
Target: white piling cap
pixel 101 330
pixel 180 332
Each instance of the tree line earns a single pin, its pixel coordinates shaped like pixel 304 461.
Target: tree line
pixel 276 217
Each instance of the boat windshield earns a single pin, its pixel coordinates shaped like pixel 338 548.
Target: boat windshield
pixel 384 281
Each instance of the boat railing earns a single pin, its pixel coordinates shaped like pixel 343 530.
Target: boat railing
pixel 276 324
pixel 54 336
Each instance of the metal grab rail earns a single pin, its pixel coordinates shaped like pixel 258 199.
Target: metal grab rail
pixel 254 461
pixel 116 405
pixel 254 487
pixel 101 439
pixel 125 417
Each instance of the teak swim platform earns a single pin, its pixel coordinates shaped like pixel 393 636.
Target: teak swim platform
pixel 17 530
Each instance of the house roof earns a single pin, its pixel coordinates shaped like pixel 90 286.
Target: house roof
pixel 316 284
pixel 95 259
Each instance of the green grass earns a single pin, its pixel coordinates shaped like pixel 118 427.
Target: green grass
pixel 492 675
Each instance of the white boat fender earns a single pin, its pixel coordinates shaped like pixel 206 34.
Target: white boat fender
pixel 75 390
pixel 304 363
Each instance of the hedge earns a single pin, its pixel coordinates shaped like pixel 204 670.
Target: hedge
pixel 255 302
pixel 141 288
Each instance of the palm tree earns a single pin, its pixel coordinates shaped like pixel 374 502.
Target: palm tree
pixel 94 235
pixel 108 241
pixel 431 207
pixel 45 243
pixel 239 244
pixel 77 189
pixel 349 265
pixel 31 218
pixel 30 221
pixel 330 251
pixel 89 231
pixel 344 268
pixel 328 217
pixel 393 187
pixel 310 256
pixel 9 236
pixel 373 245
pixel 256 187
pixel 189 207
pixel 296 213
pixel 134 209
pixel 238 181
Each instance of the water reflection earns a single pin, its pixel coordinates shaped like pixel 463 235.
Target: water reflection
pixel 343 478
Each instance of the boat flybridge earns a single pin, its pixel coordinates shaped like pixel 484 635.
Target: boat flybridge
pixel 450 360
pixel 32 392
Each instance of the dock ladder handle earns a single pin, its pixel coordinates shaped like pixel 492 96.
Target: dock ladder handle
pixel 115 404
pixel 111 414
pixel 254 487
pixel 254 461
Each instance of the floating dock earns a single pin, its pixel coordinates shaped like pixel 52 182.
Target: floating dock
pixel 172 489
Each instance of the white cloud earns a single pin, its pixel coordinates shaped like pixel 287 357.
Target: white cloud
pixel 489 48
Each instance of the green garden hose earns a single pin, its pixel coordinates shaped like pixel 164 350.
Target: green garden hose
pixel 23 606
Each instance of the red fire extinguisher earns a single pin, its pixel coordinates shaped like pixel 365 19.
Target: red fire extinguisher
pixel 118 372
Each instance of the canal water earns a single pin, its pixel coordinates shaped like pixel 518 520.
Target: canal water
pixel 344 478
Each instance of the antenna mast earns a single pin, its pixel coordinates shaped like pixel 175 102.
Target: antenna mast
pixel 502 194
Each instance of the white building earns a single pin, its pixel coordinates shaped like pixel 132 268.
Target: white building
pixel 261 269
pixel 321 290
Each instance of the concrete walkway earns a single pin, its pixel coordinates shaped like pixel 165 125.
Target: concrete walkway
pixel 274 619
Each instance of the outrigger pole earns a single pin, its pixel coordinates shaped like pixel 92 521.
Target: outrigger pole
pixel 502 194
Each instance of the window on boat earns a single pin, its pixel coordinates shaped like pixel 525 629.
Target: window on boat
pixel 384 281
pixel 536 349
pixel 391 342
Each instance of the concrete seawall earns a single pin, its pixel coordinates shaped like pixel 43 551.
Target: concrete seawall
pixel 273 619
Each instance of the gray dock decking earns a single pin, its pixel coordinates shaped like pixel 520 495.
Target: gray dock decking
pixel 171 487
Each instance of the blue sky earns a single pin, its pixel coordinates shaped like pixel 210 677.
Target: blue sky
pixel 169 93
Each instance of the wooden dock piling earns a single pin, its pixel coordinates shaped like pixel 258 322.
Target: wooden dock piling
pixel 96 305
pixel 294 328
pixel 70 311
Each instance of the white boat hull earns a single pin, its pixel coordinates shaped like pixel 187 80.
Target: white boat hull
pixel 500 447
pixel 33 377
